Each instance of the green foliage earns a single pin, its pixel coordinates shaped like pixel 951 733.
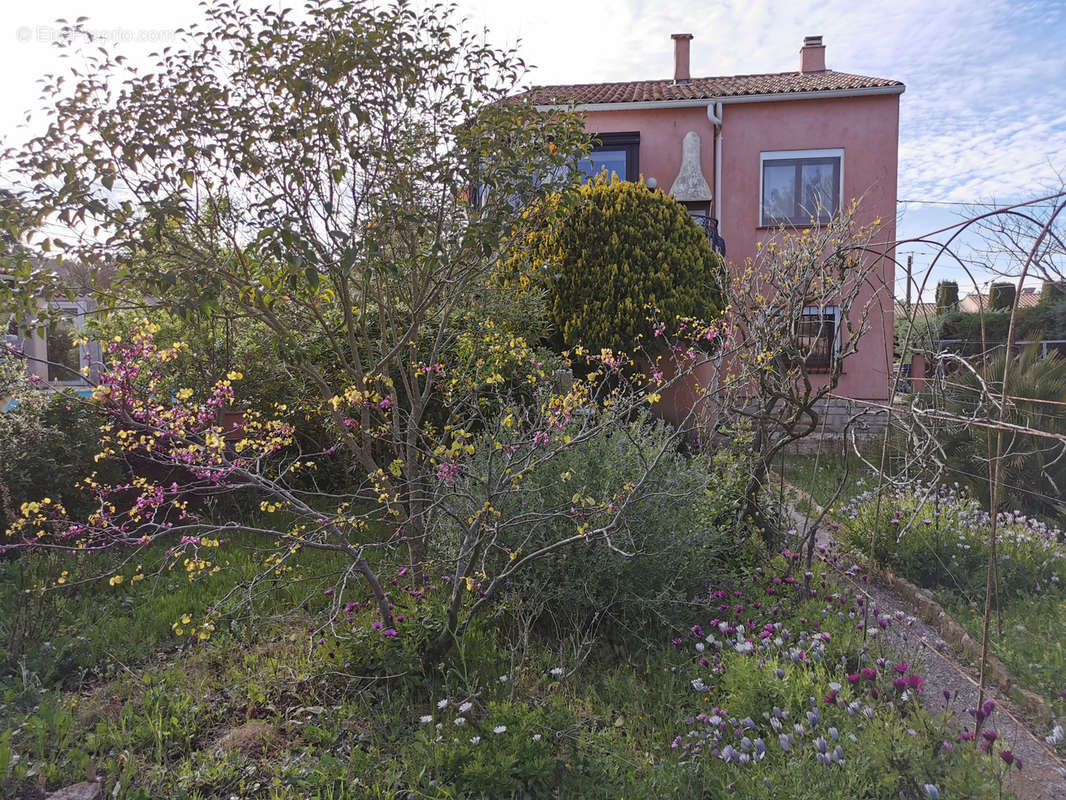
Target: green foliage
pixel 1043 321
pixel 623 726
pixel 312 173
pixel 1001 296
pixel 1031 470
pixel 620 254
pixel 1052 292
pixel 1028 636
pixel 917 334
pixel 947 297
pixel 938 537
pixel 670 533
pixel 48 442
pixel 61 634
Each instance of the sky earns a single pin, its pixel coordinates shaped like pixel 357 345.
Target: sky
pixel 983 119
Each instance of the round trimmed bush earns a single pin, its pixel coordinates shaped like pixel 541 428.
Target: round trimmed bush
pixel 617 256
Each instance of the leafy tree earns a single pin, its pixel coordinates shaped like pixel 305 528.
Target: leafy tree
pixel 1052 292
pixel 312 174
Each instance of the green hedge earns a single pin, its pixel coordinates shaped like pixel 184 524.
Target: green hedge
pixel 1041 322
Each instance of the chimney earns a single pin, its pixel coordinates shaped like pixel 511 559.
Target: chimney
pixel 812 55
pixel 681 70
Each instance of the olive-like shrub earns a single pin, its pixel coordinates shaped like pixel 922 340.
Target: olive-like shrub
pixel 612 262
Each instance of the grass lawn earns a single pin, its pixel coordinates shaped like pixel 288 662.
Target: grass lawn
pixel 821 474
pixel 1031 641
pixel 750 696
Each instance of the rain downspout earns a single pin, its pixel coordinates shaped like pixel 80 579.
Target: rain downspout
pixel 714 116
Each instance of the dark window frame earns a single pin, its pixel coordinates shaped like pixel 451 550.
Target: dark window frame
pixel 799 216
pixel 820 342
pixel 627 141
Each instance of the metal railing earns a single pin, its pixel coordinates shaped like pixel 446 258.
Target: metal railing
pixel 710 227
pixel 970 347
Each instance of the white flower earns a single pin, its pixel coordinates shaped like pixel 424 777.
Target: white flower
pixel 503 679
pixel 460 721
pixel 500 729
pixel 475 739
pixel 536 737
pixel 557 671
pixel 428 718
pixel 699 647
pixel 465 707
pixel 697 685
pixel 1056 736
pixel 443 703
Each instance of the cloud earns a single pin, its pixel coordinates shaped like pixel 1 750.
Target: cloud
pixel 984 115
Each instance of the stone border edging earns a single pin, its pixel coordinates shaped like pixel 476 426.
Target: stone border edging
pixel 930 611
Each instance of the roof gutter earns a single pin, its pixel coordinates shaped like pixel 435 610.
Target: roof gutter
pixel 642 105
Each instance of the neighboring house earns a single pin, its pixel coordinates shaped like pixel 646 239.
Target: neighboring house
pixel 747 153
pixel 57 354
pixel 1029 297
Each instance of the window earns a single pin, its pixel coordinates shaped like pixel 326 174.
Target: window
pixel 800 186
pixel 816 335
pixel 613 152
pixel 65 356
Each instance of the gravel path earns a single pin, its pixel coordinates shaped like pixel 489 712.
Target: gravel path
pixel 921 645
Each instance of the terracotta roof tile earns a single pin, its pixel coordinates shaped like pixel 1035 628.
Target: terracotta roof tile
pixel 702 88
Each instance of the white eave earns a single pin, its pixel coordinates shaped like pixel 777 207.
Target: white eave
pixel 639 105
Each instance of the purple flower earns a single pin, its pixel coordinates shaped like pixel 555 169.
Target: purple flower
pixel 390 632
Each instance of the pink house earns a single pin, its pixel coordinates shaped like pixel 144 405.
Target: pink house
pixel 746 153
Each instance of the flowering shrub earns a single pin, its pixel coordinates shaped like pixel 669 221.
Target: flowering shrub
pixel 938 537
pixel 786 694
pixel 504 436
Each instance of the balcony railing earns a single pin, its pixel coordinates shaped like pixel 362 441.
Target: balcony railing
pixel 710 227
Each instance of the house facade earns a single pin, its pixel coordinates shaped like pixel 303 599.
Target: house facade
pixel 59 355
pixel 749 153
